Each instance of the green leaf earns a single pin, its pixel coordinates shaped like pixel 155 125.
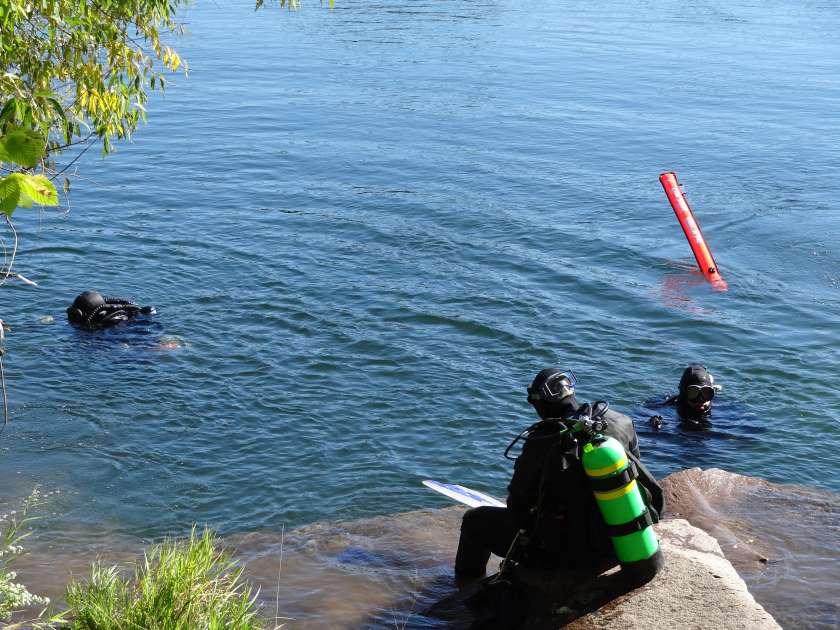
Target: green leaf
pixel 57 107
pixel 9 194
pixel 8 110
pixel 23 146
pixel 19 181
pixel 39 189
pixel 24 201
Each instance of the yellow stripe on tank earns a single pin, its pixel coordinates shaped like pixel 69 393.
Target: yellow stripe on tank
pixel 618 492
pixel 606 470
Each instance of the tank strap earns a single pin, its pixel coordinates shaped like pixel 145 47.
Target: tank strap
pixel 636 525
pixel 613 483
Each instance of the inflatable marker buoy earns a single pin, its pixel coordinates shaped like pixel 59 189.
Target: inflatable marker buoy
pixel 692 230
pixel 612 478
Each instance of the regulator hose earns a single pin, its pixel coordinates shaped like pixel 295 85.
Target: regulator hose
pixel 91 311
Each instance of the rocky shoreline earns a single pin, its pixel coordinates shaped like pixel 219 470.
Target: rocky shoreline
pixel 396 570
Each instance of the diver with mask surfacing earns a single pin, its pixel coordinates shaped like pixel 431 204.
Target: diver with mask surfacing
pixel 693 400
pixel 91 311
pixel 551 520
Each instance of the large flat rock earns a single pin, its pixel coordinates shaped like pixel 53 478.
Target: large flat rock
pixel 697 588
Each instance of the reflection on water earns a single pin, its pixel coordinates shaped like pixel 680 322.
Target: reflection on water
pixel 679 289
pixel 384 572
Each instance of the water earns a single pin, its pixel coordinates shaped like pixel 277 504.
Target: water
pixel 366 229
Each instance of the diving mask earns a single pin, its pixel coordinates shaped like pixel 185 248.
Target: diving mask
pixel 699 394
pixel 556 387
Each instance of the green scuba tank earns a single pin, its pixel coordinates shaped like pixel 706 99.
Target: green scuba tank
pixel 612 478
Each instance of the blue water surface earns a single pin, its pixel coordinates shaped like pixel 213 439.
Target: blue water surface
pixel 365 229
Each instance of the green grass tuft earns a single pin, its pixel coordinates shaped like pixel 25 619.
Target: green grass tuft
pixel 187 585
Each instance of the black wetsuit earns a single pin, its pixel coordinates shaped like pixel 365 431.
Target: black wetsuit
pixel 92 311
pixel 557 509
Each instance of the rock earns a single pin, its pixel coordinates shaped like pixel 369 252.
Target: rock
pixel 714 500
pixel 783 539
pixel 698 588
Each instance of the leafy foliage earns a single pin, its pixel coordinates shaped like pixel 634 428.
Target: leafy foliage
pixel 22 146
pixel 72 71
pixel 76 68
pixel 25 148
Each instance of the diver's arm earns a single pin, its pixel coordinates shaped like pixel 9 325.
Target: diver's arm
pixel 666 401
pixel 633 447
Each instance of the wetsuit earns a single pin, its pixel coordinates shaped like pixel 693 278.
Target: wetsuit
pixel 91 311
pixel 549 496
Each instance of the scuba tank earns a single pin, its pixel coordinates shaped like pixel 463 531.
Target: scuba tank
pixel 612 477
pixel 578 445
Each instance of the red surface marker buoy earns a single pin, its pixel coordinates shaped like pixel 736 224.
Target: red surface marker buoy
pixel 692 230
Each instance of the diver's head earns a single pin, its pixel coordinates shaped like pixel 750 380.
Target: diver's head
pixel 82 305
pixel 697 389
pixel 552 393
pixel 88 300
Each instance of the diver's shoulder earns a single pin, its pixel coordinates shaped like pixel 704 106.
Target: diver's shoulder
pixel 620 426
pixel 616 417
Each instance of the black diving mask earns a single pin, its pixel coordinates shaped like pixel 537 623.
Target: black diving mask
pixel 699 394
pixel 557 386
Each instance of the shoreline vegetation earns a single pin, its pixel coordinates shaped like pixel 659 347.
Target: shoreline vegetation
pixel 178 585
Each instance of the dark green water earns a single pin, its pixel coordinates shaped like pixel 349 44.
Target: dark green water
pixel 368 228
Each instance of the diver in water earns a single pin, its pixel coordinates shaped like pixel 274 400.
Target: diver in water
pixel 693 400
pixel 549 496
pixel 91 311
pixel 696 426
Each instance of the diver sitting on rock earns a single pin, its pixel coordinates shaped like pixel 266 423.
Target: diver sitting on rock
pixel 693 400
pixel 92 311
pixel 552 520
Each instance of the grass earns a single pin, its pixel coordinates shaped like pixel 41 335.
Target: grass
pixel 189 585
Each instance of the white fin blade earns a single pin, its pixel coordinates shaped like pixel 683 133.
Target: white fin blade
pixel 464 495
